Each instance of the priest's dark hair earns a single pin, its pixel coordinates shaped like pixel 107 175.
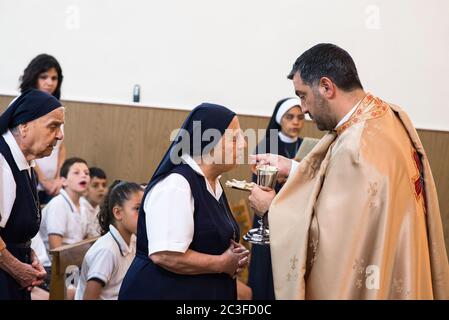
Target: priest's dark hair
pixel 40 64
pixel 327 60
pixel 119 192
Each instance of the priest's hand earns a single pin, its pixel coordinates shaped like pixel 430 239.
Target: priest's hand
pixel 260 199
pixel 282 163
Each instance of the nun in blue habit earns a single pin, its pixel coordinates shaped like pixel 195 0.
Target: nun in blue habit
pixel 22 140
pixel 286 122
pixel 186 235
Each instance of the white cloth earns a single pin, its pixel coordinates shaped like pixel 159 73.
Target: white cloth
pixel 107 260
pixel 60 216
pixel 7 182
pixel 348 115
pixel 93 226
pixel 286 139
pixel 293 167
pixel 169 208
pixel 37 244
pixel 285 106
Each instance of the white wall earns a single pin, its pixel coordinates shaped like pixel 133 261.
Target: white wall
pixel 233 52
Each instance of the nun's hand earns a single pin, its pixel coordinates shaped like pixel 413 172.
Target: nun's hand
pixel 282 163
pixel 234 259
pixel 42 274
pixel 244 256
pixel 230 261
pixel 27 276
pixel 260 199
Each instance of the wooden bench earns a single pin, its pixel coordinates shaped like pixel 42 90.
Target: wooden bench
pixel 65 259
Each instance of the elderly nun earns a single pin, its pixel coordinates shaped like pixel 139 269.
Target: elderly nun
pixel 30 128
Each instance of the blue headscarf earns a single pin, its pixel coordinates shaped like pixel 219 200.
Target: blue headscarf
pixel 210 116
pixel 30 105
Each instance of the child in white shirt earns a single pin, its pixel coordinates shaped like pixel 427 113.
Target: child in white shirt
pixel 64 221
pixel 107 261
pixel 96 191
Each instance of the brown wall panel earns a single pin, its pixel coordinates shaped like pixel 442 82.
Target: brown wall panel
pixel 128 143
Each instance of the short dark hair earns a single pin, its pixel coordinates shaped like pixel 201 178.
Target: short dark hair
pixel 68 164
pixel 327 60
pixel 41 63
pixel 97 172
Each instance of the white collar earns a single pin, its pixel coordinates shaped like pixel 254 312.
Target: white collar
pixel 348 115
pixel 124 248
pixel 17 154
pixel 66 196
pixel 192 164
pixel 286 139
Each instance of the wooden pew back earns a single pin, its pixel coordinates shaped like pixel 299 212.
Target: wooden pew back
pixel 66 260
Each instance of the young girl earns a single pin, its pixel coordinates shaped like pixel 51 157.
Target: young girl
pixel 44 73
pixel 107 261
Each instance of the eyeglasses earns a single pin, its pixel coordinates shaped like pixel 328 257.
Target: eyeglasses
pixel 290 117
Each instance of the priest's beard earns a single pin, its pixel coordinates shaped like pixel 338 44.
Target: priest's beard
pixel 323 115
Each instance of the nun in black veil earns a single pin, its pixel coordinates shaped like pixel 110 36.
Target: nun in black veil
pixel 187 236
pixel 282 138
pixel 29 129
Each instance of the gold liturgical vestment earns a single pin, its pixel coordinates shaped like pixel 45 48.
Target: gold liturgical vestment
pixel 359 218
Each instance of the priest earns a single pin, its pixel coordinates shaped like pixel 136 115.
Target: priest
pixel 358 217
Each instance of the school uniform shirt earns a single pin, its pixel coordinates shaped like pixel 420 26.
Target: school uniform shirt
pixel 37 244
pixel 172 227
pixel 93 226
pixel 60 216
pixel 107 262
pixel 7 182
